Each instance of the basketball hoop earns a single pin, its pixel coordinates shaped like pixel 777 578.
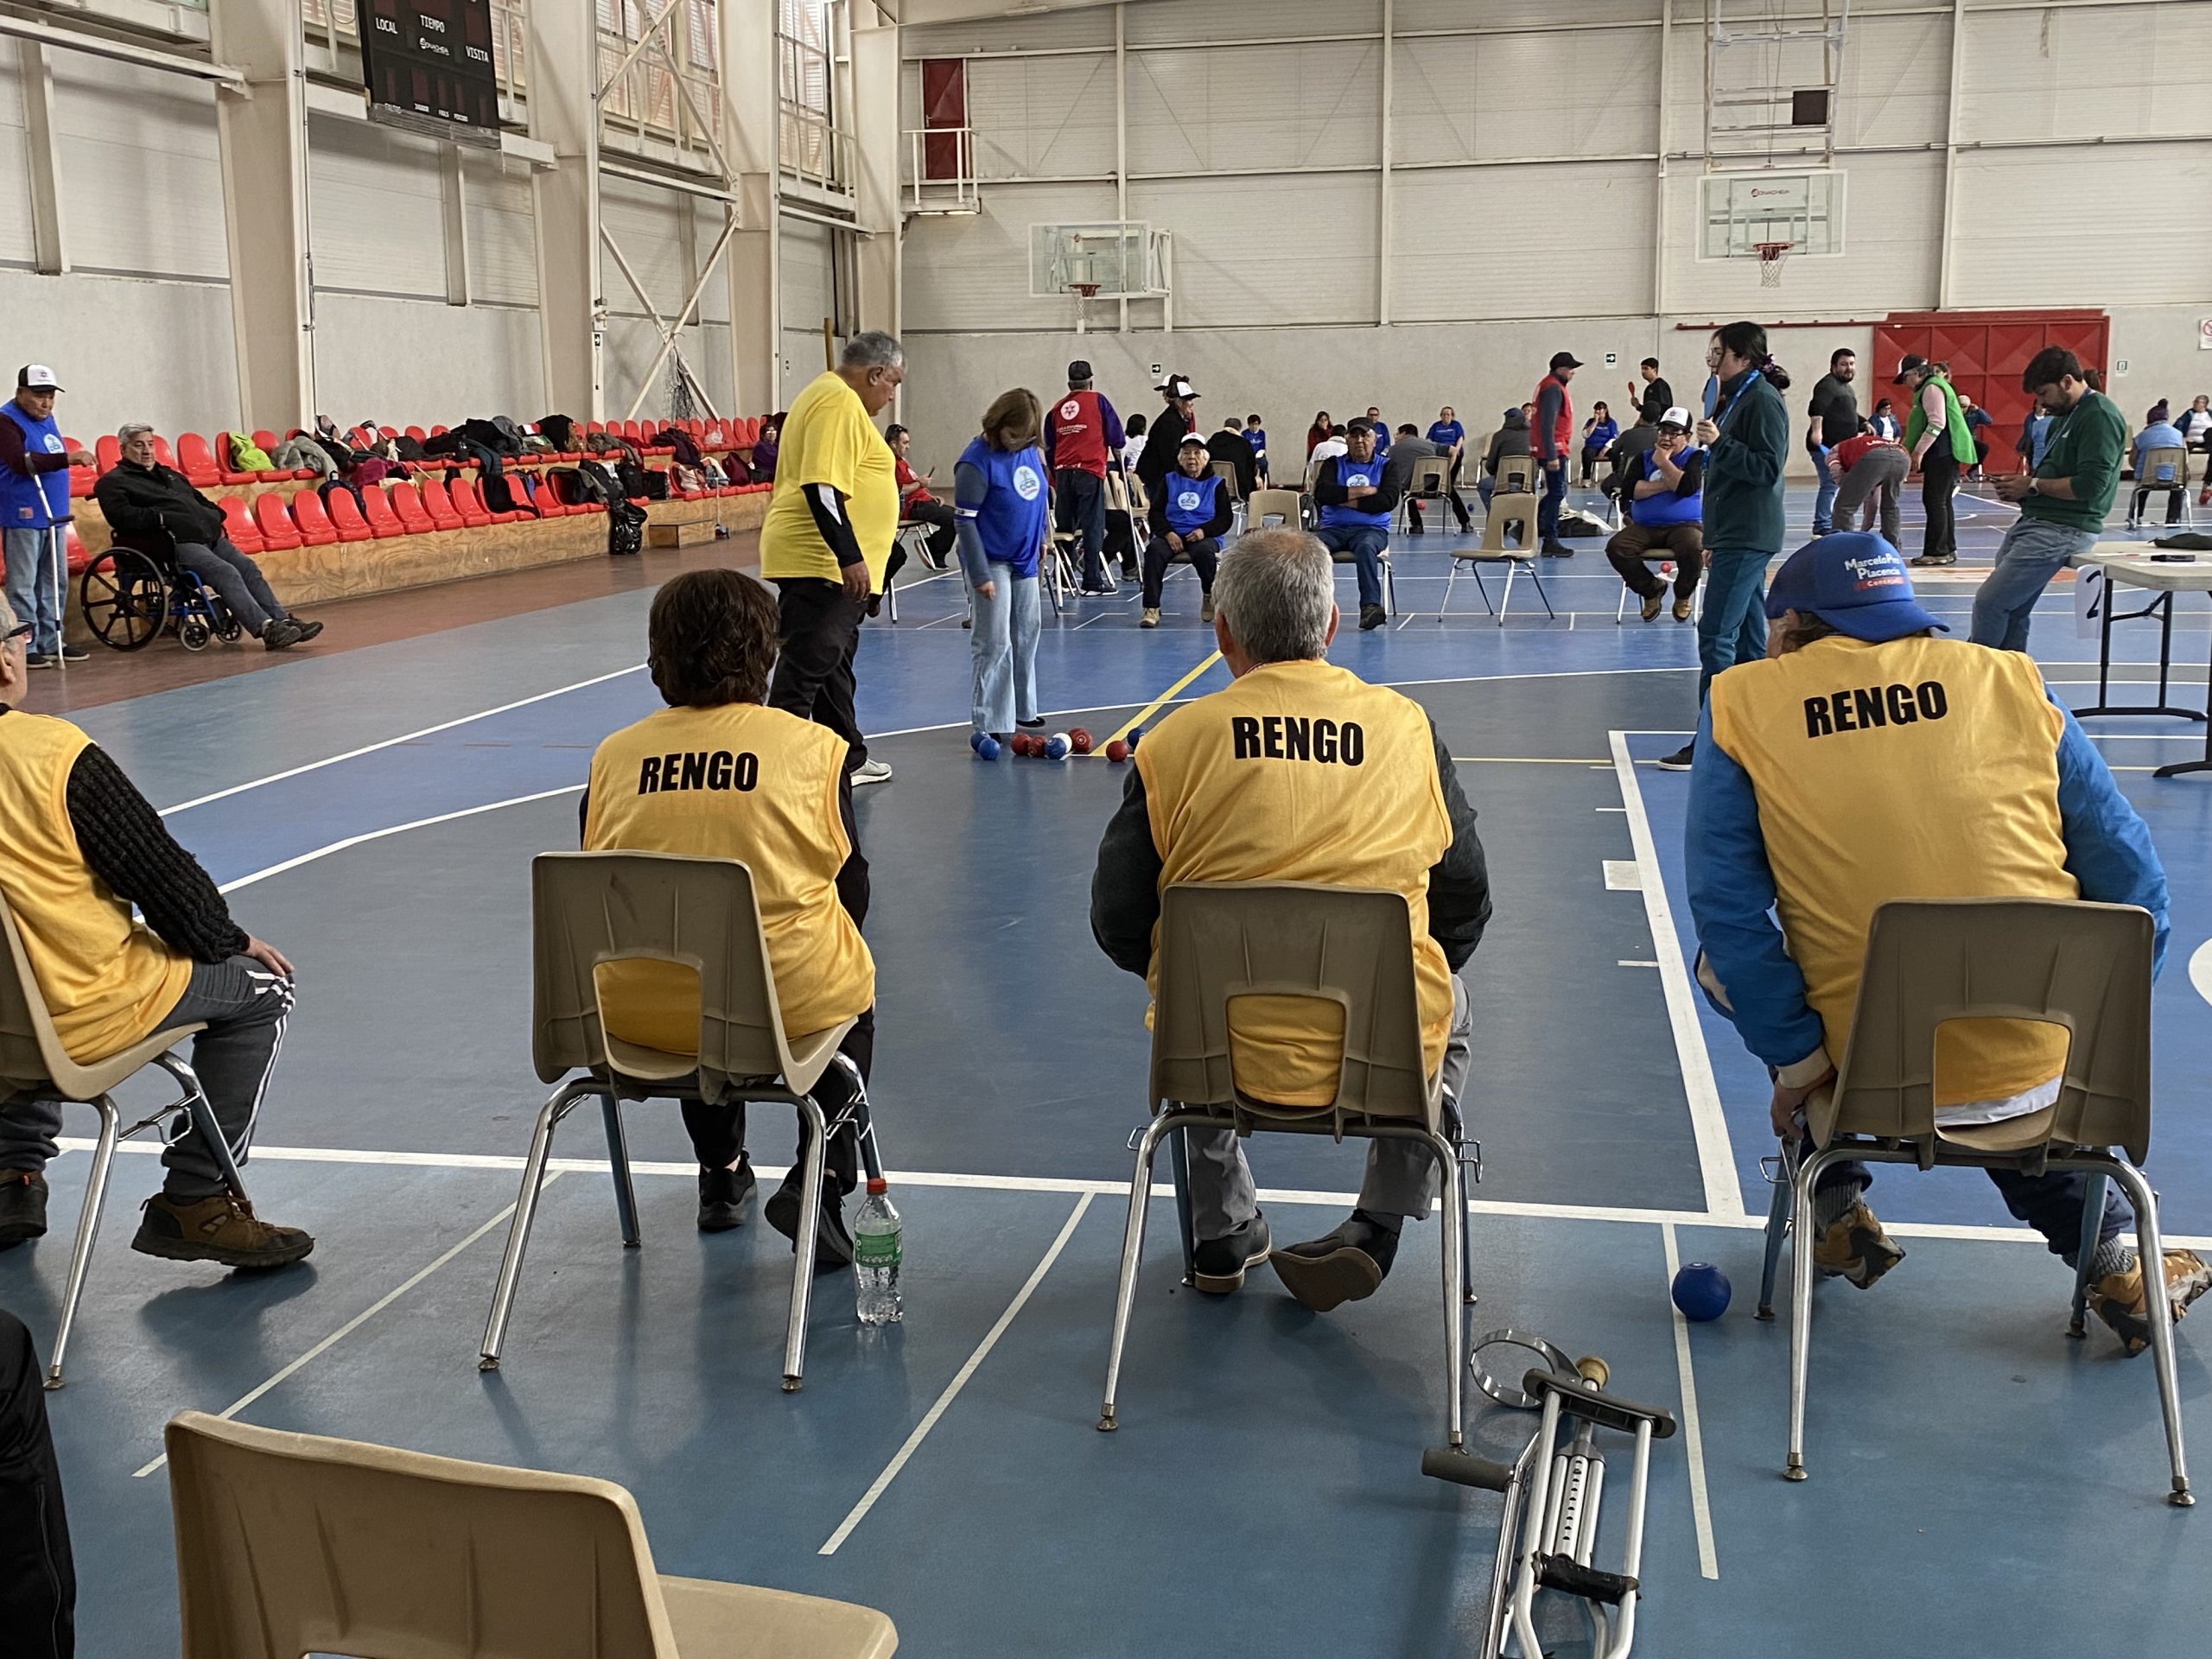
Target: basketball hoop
pixel 1772 254
pixel 1084 293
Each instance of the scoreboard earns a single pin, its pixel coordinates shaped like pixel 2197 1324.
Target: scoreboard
pixel 431 59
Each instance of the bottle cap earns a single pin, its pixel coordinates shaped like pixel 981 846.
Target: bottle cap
pixel 877 1184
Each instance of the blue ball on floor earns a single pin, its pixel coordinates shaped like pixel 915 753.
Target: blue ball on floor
pixel 986 745
pixel 1056 748
pixel 1132 738
pixel 1701 1291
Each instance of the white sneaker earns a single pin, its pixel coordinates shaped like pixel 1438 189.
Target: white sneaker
pixel 871 772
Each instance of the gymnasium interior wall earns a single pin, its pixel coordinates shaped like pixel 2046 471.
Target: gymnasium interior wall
pixel 1528 207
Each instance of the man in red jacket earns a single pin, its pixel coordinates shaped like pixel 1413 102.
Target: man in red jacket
pixel 1551 434
pixel 1082 432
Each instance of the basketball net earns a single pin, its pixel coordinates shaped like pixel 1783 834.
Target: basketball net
pixel 1772 254
pixel 1084 293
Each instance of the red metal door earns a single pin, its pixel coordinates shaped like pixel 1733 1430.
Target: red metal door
pixel 1987 350
pixel 945 118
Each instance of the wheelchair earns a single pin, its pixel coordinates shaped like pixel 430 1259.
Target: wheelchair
pixel 130 595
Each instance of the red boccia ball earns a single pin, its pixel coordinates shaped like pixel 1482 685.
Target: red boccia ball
pixel 1079 740
pixel 1117 750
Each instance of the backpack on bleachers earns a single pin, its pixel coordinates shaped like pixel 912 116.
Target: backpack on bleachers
pixel 560 431
pixel 572 487
pixel 406 448
pixel 244 456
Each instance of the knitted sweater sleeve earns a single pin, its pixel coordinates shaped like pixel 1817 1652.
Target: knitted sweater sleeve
pixel 128 847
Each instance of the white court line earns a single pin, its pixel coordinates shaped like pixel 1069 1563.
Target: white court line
pixel 1716 1156
pixel 293 863
pixel 2200 971
pixel 1692 1438
pixel 348 1328
pixel 959 1381
pixel 405 737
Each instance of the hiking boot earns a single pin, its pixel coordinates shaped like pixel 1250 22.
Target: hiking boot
pixel 2118 1301
pixel 1854 1247
pixel 1926 560
pixel 1346 1265
pixel 1680 758
pixel 1681 610
pixel 22 1206
pixel 1150 617
pixel 1651 604
pixel 722 1196
pixel 279 636
pixel 1555 549
pixel 220 1229
pixel 1206 605
pixel 1217 1265
pixel 833 1241
pixel 1371 617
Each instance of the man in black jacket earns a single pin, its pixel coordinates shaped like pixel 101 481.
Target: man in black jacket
pixel 1168 428
pixel 151 507
pixel 1231 445
pixel 83 848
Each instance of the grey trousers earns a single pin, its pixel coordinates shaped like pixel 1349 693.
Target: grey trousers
pixel 246 1006
pixel 1401 1179
pixel 237 578
pixel 1880 471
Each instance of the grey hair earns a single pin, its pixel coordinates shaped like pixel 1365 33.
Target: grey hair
pixel 1277 587
pixel 873 350
pixel 131 430
pixel 9 620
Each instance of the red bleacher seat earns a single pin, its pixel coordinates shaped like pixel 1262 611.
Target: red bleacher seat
pixel 75 545
pixel 439 504
pixel 361 438
pixel 418 433
pixel 376 507
pixel 345 517
pixel 462 495
pixel 163 455
pixel 278 532
pixel 238 525
pixel 265 441
pixel 106 451
pixel 197 462
pixel 311 520
pixel 437 431
pixel 545 499
pixel 81 479
pixel 407 506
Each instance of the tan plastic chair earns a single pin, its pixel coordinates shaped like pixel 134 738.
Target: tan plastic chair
pixel 1516 475
pixel 1226 472
pixel 1284 505
pixel 591 908
pixel 2164 471
pixel 1430 481
pixel 2085 967
pixel 33 1063
pixel 288 1544
pixel 1517 512
pixel 1347 945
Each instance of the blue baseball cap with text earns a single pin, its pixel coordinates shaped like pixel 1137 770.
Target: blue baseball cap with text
pixel 1854 581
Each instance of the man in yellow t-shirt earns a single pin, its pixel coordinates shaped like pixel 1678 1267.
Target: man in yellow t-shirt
pixel 1300 772
pixel 716 775
pixel 828 537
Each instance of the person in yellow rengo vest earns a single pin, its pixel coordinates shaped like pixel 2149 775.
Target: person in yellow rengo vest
pixel 82 846
pixel 716 775
pixel 1300 772
pixel 827 535
pixel 1865 759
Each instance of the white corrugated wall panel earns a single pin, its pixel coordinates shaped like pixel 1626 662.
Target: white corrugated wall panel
pixel 2020 239
pixel 1454 254
pixel 2087 73
pixel 377 219
pixel 1225 21
pixel 1261 252
pixel 1895 77
pixel 1285 107
pixel 140 174
pixel 502 231
pixel 1047 31
pixel 648 226
pixel 971 271
pixel 1042 118
pixel 1412 15
pixel 15 241
pixel 810 291
pixel 1464 98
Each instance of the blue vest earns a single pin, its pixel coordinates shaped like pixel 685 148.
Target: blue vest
pixel 1343 515
pixel 1011 521
pixel 1190 501
pixel 1659 512
pixel 34 500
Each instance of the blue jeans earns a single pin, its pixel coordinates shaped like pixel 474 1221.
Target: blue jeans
pixel 1364 544
pixel 34 586
pixel 2034 551
pixel 1733 630
pixel 1554 497
pixel 1004 641
pixel 1824 502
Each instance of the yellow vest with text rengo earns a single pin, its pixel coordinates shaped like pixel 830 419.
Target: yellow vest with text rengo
pixel 1302 772
pixel 1924 768
pixel 746 783
pixel 107 980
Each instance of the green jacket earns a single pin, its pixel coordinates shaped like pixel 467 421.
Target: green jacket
pixel 1743 469
pixel 2086 445
pixel 1955 430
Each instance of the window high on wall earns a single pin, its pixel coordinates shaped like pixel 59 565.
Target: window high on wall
pixel 810 50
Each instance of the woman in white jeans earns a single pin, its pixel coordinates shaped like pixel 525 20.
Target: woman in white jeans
pixel 1001 513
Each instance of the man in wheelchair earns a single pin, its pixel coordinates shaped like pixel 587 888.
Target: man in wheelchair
pixel 151 507
pixel 83 847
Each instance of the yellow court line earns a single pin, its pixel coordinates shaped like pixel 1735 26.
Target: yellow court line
pixel 1159 702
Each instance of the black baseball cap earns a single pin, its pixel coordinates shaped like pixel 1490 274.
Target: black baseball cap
pixel 1176 386
pixel 1077 371
pixel 1565 360
pixel 1913 360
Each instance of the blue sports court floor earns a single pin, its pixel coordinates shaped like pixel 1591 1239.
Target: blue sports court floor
pixel 374 814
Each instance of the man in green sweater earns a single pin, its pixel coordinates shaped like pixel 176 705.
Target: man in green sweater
pixel 2063 503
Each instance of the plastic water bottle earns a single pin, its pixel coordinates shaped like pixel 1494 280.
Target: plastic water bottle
pixel 876 1255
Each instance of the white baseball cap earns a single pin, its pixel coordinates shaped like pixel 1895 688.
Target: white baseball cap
pixel 1676 416
pixel 37 378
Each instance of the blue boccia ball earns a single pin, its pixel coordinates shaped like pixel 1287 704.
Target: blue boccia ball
pixel 1056 748
pixel 1701 1291
pixel 986 745
pixel 1132 738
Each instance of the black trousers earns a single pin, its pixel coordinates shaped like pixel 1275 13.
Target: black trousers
pixel 821 626
pixel 938 517
pixel 1939 482
pixel 1458 511
pixel 718 1132
pixel 1079 505
pixel 38 1580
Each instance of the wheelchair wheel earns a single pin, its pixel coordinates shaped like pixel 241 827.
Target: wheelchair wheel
pixel 229 630
pixel 125 598
pixel 193 634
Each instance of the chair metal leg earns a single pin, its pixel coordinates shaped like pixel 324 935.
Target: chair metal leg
pixel 1506 600
pixel 810 1224
pixel 618 1165
pixel 2092 1214
pixel 1777 1228
pixel 88 1227
pixel 1800 1299
pixel 1536 576
pixel 1451 576
pixel 1125 1294
pixel 2153 1264
pixel 196 1105
pixel 1178 1165
pixel 533 1181
pixel 1453 1252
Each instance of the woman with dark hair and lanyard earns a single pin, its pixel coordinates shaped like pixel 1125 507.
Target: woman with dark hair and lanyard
pixel 1746 441
pixel 1000 511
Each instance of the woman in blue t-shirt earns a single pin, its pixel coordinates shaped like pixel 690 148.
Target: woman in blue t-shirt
pixel 1000 513
pixel 1598 434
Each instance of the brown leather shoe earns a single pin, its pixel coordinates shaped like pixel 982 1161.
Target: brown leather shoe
pixel 22 1206
pixel 221 1229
